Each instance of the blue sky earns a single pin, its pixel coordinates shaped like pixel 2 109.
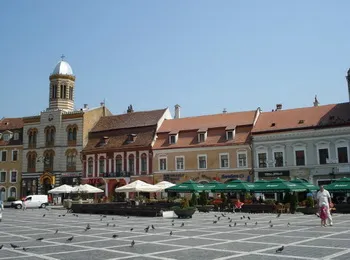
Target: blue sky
pixel 203 55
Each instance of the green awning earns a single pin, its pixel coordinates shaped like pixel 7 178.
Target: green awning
pixel 187 187
pixel 339 185
pixel 212 185
pixel 278 185
pixel 309 186
pixel 235 186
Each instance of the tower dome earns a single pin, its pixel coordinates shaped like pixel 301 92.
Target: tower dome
pixel 62 68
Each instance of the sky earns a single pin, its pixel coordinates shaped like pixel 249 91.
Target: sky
pixel 203 55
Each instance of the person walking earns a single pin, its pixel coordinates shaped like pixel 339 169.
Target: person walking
pixel 324 198
pixel 1 209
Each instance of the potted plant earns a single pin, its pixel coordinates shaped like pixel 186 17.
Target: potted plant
pixel 184 211
pixel 309 208
pixel 203 202
pixel 293 203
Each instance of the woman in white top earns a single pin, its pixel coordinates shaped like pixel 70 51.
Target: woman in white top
pixel 323 196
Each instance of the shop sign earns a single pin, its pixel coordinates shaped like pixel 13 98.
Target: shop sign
pixel 232 176
pixel 273 174
pixel 93 181
pixel 173 177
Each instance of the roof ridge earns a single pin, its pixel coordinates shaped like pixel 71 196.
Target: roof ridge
pixel 309 107
pixel 138 112
pixel 218 114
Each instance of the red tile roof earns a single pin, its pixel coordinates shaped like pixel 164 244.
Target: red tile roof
pixel 117 139
pixel 303 118
pixel 208 121
pixel 129 120
pixel 215 125
pixel 11 123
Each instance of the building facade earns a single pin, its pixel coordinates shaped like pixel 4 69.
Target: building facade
pixel 11 134
pixel 53 140
pixel 204 148
pixel 119 149
pixel 311 143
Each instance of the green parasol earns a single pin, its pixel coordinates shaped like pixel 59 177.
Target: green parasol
pixel 278 185
pixel 187 187
pixel 308 185
pixel 235 186
pixel 339 185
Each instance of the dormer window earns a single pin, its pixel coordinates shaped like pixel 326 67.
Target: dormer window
pixel 230 132
pixel 131 138
pixel 16 136
pixel 173 138
pixel 202 135
pixel 104 141
pixel 6 137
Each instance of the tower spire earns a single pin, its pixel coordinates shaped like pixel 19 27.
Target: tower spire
pixel 62 56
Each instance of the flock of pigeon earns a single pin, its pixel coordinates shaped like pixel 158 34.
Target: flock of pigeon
pixel 247 221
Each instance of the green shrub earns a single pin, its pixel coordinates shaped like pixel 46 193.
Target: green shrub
pixel 185 203
pixel 293 203
pixel 193 201
pixel 287 198
pixel 203 200
pixel 310 202
pixel 224 199
pixel 9 199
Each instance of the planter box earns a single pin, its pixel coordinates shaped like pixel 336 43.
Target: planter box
pixel 258 208
pixel 342 208
pixel 206 208
pixel 307 211
pixel 184 213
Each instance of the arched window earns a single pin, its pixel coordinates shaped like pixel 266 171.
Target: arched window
pixel 101 165
pixel 31 161
pixel 143 163
pixel 72 134
pixel 2 193
pixel 13 192
pixel 131 163
pixel 48 160
pixel 71 156
pixel 32 134
pixel 118 164
pixel 50 136
pixel 90 166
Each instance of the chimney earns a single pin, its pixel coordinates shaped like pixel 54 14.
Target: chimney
pixel 130 109
pixel 86 106
pixel 316 103
pixel 177 111
pixel 224 111
pixel 278 107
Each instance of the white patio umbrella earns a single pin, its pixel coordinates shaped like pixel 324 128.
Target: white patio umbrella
pixel 61 189
pixel 86 188
pixel 163 185
pixel 137 186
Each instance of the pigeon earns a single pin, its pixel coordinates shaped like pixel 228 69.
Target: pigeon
pixel 278 215
pixel 129 217
pixel 222 214
pixel 59 216
pixel 271 225
pixel 131 229
pixel 1 246
pixel 172 224
pixel 219 218
pixel 14 246
pixel 245 224
pixel 132 243
pixel 70 239
pixel 248 217
pixel 104 216
pixel 171 232
pixel 256 223
pixel 25 249
pixel 112 218
pixel 40 239
pixel 146 229
pixel 153 227
pixel 107 224
pixel 183 224
pixel 44 215
pixel 279 250
pixel 230 221
pixel 63 215
pixel 173 221
pixel 230 225
pixel 214 222
pixel 270 222
pixel 288 224
pixel 235 224
pixel 241 217
pixel 113 225
pixel 56 231
pixel 114 236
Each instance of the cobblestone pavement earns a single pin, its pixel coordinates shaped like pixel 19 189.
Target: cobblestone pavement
pixel 199 238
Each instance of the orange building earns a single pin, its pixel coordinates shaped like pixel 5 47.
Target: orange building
pixel 204 148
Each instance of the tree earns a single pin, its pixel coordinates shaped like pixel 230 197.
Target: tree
pixel 203 200
pixel 193 201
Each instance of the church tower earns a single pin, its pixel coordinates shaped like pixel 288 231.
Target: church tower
pixel 62 81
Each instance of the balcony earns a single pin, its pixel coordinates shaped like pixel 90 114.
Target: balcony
pixel 116 174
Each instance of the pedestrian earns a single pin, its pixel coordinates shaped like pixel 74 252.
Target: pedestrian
pixel 324 214
pixel 1 209
pixel 323 196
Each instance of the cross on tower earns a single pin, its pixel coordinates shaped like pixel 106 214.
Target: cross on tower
pixel 62 57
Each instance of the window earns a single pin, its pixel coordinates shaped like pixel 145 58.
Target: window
pixel 32 136
pixel 202 161
pixel 224 160
pixel 31 161
pixel 342 154
pixel 2 176
pixel 48 160
pixel 71 93
pixel 3 156
pixel 71 159
pixel 131 163
pixel 14 155
pixel 201 137
pixel 16 136
pixel 242 159
pixel 118 163
pixel 299 157
pixel 262 160
pixel 13 192
pixel 61 91
pixel 6 137
pixel 172 139
pixel 144 163
pixel 54 91
pixel 323 155
pixel 229 135
pixel 64 91
pixel 71 134
pixel 90 166
pixel 102 165
pixel 13 177
pixel 180 163
pixel 162 164
pixel 278 155
pixel 50 135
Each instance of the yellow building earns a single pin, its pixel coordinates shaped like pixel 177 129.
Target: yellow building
pixel 11 134
pixel 204 148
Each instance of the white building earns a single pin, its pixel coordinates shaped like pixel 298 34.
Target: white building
pixel 53 140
